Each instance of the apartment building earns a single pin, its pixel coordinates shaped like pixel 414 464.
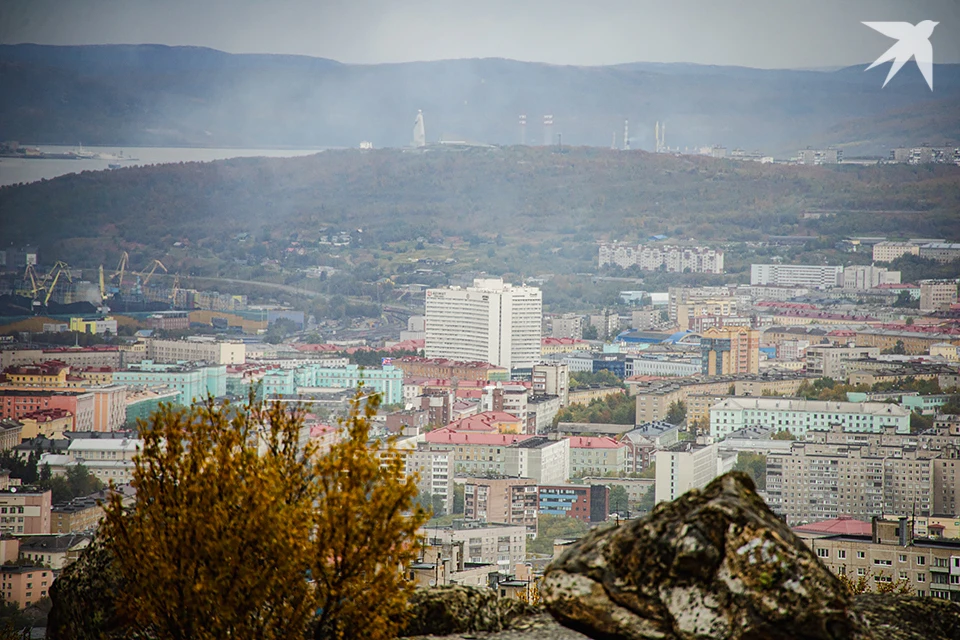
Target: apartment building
pixel 546 461
pixel 24 510
pixel 918 473
pixel 386 380
pixel 723 307
pixel 588 503
pixel 864 277
pixel 671 258
pixel 914 342
pixel 677 296
pixel 819 156
pixel 55 551
pixel 74 357
pixel 541 410
pixel 475 453
pixel 25 585
pixel 643 442
pixel 890 251
pixel 937 295
pixel 942 252
pixel 686 465
pixel 506 398
pixel 654 398
pixel 597 456
pixel 797 415
pixel 17 402
pixel 930 566
pixel 79 514
pixel 197 349
pixel 496 544
pixel 828 361
pixel 109 459
pixel 11 433
pixel 491 322
pixel 194 381
pixel 731 350
pixel 48 423
pixel 435 472
pixel 109 403
pixel 812 482
pixel 803 275
pixel 503 499
pixel 552 379
pixel 568 325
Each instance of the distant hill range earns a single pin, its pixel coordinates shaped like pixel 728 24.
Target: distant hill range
pixel 169 96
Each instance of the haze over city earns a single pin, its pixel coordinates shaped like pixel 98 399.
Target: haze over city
pixel 373 320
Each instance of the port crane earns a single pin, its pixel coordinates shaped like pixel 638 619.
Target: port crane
pixel 147 275
pixel 60 268
pixel 121 269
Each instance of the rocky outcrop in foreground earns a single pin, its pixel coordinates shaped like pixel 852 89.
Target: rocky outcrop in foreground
pixel 719 564
pixel 461 609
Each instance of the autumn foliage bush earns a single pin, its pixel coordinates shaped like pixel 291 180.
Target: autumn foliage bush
pixel 238 531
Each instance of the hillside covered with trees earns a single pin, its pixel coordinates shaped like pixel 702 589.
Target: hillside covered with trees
pixel 540 206
pixel 151 95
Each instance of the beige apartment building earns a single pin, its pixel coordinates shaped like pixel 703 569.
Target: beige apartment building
pixel 931 566
pixel 24 511
pixel 501 499
pixel 552 379
pixel 24 586
pixel 496 544
pixel 197 350
pixel 937 295
pixel 831 362
pixel 890 251
pixel 865 475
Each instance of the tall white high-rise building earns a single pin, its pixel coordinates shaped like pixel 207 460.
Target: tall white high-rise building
pixel 490 322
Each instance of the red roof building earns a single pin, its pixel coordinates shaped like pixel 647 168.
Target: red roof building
pixel 844 525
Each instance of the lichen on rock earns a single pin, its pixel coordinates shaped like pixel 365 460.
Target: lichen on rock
pixel 713 564
pixel 461 609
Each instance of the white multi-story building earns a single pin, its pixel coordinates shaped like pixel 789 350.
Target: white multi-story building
pixel 797 415
pixel 489 322
pixel 686 466
pixel 862 277
pixel 435 471
pixel 197 349
pixel 109 459
pixel 546 461
pixel 552 379
pixel 499 544
pixel 803 275
pixel 672 258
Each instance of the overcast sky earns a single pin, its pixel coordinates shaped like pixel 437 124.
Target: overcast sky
pixel 755 33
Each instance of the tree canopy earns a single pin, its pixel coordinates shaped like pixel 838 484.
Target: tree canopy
pixel 237 531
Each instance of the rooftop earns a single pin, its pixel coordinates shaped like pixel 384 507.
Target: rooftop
pixel 843 525
pixel 594 442
pixel 449 436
